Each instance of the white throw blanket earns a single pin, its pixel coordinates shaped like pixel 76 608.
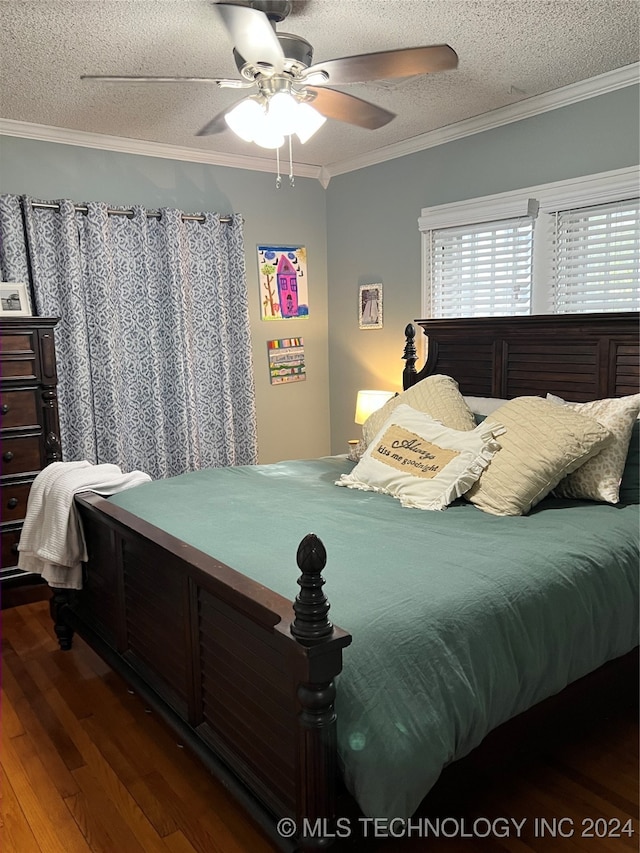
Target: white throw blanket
pixel 52 542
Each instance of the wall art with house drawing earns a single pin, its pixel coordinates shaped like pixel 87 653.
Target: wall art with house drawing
pixel 283 282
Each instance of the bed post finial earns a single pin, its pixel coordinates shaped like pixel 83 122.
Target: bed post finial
pixel 410 356
pixel 311 605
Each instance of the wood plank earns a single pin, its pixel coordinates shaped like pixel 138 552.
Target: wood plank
pixel 177 843
pixel 11 722
pixel 110 766
pixel 135 818
pixel 27 635
pixel 38 704
pixel 40 801
pixel 17 836
pixel 94 816
pixel 59 773
pixel 210 834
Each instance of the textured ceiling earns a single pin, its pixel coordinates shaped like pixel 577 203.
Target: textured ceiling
pixel 509 50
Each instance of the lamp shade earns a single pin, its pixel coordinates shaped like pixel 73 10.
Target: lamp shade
pixel 244 118
pixel 283 113
pixel 368 402
pixel 309 121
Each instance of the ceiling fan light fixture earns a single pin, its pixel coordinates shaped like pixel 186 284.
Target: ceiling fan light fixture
pixel 267 136
pixel 244 118
pixel 282 113
pixel 250 122
pixel 267 124
pixel 309 121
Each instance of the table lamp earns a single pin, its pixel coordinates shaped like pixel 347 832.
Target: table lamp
pixel 367 402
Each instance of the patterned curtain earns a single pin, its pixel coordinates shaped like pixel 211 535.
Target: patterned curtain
pixel 153 344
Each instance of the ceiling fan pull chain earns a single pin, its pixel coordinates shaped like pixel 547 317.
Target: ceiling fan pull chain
pixel 292 182
pixel 279 176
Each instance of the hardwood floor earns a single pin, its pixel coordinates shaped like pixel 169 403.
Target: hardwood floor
pixel 85 768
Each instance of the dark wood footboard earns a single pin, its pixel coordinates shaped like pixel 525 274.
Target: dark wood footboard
pixel 244 678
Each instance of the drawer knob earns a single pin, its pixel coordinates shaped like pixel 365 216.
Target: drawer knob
pixel 12 503
pixel 5 408
pixel 14 548
pixel 8 456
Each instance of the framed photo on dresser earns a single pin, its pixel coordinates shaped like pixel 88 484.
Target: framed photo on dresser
pixel 14 299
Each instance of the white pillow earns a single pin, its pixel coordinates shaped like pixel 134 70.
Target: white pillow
pixel 599 478
pixel 483 405
pixel 422 463
pixel 437 396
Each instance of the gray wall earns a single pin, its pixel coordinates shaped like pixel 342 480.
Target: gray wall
pixel 363 229
pixel 372 224
pixel 293 420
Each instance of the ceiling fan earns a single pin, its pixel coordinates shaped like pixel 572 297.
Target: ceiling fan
pixel 291 94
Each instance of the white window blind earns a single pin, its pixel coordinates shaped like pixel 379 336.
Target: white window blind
pixel 481 270
pixel 597 258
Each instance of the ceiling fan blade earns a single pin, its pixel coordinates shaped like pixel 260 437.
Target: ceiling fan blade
pixel 216 125
pixel 386 65
pixel 118 78
pixel 343 107
pixel 252 36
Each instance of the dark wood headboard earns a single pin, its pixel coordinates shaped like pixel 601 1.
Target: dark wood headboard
pixel 577 356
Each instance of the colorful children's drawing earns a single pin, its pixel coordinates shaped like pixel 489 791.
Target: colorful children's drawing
pixel 286 360
pixel 283 282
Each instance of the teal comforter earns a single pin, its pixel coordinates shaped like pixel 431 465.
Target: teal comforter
pixel 460 619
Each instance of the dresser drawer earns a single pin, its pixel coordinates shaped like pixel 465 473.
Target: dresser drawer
pixel 19 354
pixel 18 368
pixel 14 501
pixel 22 453
pixel 10 539
pixel 18 342
pixel 19 408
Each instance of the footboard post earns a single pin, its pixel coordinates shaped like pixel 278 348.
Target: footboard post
pixel 317 717
pixel 58 603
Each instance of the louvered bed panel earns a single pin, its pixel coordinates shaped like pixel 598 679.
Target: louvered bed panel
pixel 471 362
pixel 101 598
pixel 529 369
pixel 242 668
pixel 626 374
pixel 576 356
pixel 154 599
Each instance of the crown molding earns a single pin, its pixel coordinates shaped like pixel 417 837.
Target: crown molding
pixel 610 81
pixel 619 78
pixel 64 136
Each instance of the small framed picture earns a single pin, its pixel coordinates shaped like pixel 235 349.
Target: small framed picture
pixel 370 306
pixel 14 299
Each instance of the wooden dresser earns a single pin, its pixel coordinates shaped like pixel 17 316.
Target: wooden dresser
pixel 29 428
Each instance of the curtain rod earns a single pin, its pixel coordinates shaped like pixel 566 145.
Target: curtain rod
pixel 153 214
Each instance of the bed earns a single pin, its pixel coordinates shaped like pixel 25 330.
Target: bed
pixel 188 593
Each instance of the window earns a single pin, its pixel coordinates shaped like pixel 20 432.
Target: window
pixel 567 247
pixel 482 270
pixel 597 265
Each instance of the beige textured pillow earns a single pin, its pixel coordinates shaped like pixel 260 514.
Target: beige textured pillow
pixel 437 396
pixel 543 443
pixel 599 478
pixel 422 463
